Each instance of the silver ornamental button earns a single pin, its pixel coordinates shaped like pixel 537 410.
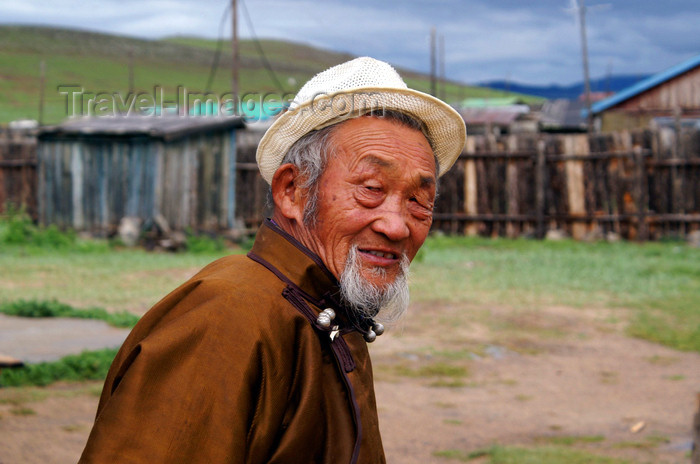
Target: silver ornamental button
pixel 330 313
pixel 370 336
pixel 324 321
pixel 378 328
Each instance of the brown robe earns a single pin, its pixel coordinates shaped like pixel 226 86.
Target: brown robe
pixel 232 367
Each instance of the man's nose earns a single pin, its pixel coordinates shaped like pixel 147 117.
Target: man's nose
pixel 392 223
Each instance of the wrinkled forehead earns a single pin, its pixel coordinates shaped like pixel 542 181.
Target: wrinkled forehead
pixel 368 133
pixel 379 146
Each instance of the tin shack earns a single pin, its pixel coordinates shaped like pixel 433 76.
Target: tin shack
pixel 92 172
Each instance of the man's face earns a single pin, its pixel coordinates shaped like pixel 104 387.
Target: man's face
pixel 376 193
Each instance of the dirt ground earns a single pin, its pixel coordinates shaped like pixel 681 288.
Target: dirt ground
pixel 457 377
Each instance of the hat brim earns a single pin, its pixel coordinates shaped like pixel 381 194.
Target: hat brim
pixel 445 127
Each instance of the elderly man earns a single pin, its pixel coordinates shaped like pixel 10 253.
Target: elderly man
pixel 263 358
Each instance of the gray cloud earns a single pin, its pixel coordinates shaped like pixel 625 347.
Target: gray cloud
pixel 532 42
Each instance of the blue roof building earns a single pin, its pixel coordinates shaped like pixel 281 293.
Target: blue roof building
pixel 673 92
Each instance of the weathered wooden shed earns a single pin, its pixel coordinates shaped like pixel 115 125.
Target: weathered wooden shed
pixel 92 172
pixel 674 92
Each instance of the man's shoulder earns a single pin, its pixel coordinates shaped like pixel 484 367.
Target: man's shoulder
pixel 237 273
pixel 227 291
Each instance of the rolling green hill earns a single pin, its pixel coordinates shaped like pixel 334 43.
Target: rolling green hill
pixel 99 63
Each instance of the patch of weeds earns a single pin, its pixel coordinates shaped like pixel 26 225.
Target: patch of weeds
pixel 676 377
pixel 53 308
pixel 443 405
pixel 433 370
pixel 17 229
pixel 22 411
pixel 452 422
pixel 448 383
pixel 73 428
pixel 454 355
pixel 649 442
pixel 662 360
pixel 460 455
pixel 88 365
pixel 443 375
pixel 523 398
pixel 20 396
pixel 95 390
pixel 678 328
pixel 517 455
pixel 571 440
pixel 609 378
pixel 204 244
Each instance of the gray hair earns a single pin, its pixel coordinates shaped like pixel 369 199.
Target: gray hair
pixel 311 153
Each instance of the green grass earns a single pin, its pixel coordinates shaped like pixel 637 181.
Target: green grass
pixel 36 308
pixel 517 455
pixel 21 396
pixel 433 370
pixel 100 62
pixel 17 229
pixel 660 282
pixel 22 411
pixel 117 280
pixel 568 440
pixel 649 442
pixel 89 365
pixel 38 266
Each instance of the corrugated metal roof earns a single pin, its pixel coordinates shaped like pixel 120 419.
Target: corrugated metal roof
pixel 161 127
pixel 497 116
pixel 646 84
pixel 563 113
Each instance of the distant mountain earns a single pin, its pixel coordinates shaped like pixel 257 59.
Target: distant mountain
pixel 605 84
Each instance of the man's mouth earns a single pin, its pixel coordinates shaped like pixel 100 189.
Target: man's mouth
pixel 379 257
pixel 380 254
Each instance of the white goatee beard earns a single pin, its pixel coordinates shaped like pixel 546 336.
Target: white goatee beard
pixel 386 304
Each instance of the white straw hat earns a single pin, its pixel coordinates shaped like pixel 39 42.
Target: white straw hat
pixel 352 89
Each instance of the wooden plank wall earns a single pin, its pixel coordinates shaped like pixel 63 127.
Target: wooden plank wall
pixel 251 189
pixel 18 170
pixel 637 185
pixel 92 184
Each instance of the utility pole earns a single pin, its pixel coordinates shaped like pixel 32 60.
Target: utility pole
pixel 442 67
pixel 433 80
pixel 131 73
pixel 235 59
pixel 584 50
pixel 42 84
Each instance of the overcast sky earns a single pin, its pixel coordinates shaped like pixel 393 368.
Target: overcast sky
pixel 535 42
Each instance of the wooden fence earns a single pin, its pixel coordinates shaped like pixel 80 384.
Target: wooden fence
pixel 18 170
pixel 635 185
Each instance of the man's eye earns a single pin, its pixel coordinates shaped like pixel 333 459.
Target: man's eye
pixel 372 188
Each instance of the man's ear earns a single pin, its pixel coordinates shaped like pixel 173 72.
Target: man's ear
pixel 288 197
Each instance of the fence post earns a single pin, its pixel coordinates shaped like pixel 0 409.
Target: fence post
pixel 539 190
pixel 576 145
pixel 640 196
pixel 470 190
pixel 512 229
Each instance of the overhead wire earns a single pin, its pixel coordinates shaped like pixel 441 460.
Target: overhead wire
pixel 217 53
pixel 266 63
